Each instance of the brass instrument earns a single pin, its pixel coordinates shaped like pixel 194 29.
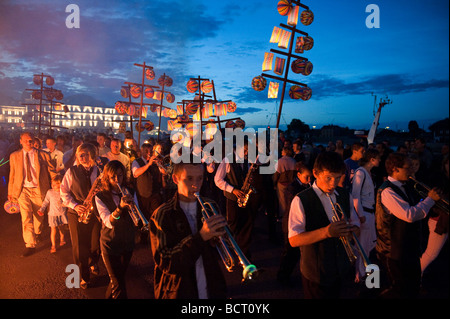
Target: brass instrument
pixel 338 214
pixel 135 213
pixel 86 215
pixel 247 188
pixel 164 163
pixel 441 204
pixel 226 252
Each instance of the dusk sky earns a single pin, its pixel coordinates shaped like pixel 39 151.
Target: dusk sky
pixel 225 41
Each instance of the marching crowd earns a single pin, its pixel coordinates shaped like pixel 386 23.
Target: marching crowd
pixel 328 199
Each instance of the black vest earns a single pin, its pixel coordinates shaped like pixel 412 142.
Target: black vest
pixel 144 183
pixel 81 184
pixel 235 177
pixel 397 239
pixel 120 238
pixel 323 262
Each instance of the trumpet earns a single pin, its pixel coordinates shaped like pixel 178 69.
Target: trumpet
pixel 227 253
pixel 164 163
pixel 338 214
pixel 135 213
pixel 441 204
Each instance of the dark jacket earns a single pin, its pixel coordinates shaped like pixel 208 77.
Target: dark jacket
pixel 175 251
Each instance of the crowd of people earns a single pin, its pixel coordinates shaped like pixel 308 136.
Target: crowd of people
pixel 326 197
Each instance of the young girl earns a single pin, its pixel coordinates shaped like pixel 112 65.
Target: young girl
pixel 57 214
pixel 118 230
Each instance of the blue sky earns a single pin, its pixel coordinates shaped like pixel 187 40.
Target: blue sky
pixel 406 58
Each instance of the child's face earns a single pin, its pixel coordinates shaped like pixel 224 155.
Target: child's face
pixel 56 186
pixel 327 181
pixel 305 176
pixel 415 164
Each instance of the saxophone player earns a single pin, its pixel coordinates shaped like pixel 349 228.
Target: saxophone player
pixel 75 187
pixel 230 176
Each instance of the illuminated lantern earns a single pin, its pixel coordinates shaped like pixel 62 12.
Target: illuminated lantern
pixel 210 130
pixel 131 110
pixel 149 126
pixel 135 91
pixel 170 97
pixel 179 109
pixel 49 81
pixel 206 86
pixel 125 92
pixel 192 128
pixel 273 90
pixel 168 81
pixel 172 114
pixel 192 86
pixel 158 95
pixel 284 7
pixel 149 92
pixel 230 124
pixel 144 111
pixel 259 83
pixel 306 94
pixel 205 111
pixel 139 128
pixel 306 17
pixel 119 108
pixel 49 94
pixel 240 123
pixel 220 109
pixel 36 95
pixel 191 108
pixel 37 79
pixel 149 74
pixel 58 107
pixel 231 107
pixel 295 92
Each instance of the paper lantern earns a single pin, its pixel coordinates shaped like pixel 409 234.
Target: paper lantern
pixel 149 74
pixel 37 95
pixel 220 109
pixel 11 207
pixel 295 92
pixel 135 91
pixel 304 44
pixel 298 66
pixel 170 97
pixel 206 86
pixel 273 90
pixel 230 124
pixel 58 95
pixel 231 107
pixel 49 81
pixel 179 109
pixel 308 68
pixel 284 7
pixel 192 86
pixel 119 107
pixel 49 94
pixel 192 128
pixel 125 92
pixel 168 81
pixel 293 16
pixel 279 66
pixel 37 79
pixel 205 111
pixel 149 92
pixel 240 123
pixel 131 110
pixel 149 125
pixel 210 130
pixel 306 17
pixel 306 94
pixel 259 83
pixel 139 128
pixel 158 95
pixel 172 114
pixel 191 108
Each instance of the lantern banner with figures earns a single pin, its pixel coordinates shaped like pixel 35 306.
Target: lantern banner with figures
pixel 287 36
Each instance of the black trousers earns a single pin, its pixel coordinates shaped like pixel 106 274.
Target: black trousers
pixel 404 278
pixel 85 240
pixel 313 290
pixel 240 221
pixel 289 260
pixel 117 266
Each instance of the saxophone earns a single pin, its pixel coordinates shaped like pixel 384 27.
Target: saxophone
pixel 247 188
pixel 86 215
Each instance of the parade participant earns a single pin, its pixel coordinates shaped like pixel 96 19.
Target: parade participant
pixel 291 255
pixel 186 264
pixel 148 180
pixel 57 213
pixel 363 192
pixel 118 229
pixel 230 177
pixel 399 212
pixel 75 188
pixel 323 263
pixel 103 149
pixel 283 177
pixel 55 154
pixel 30 174
pixel 351 165
pixel 116 154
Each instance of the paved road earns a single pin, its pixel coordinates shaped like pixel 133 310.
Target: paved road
pixel 42 275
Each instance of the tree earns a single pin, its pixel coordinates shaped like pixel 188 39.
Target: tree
pixel 296 129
